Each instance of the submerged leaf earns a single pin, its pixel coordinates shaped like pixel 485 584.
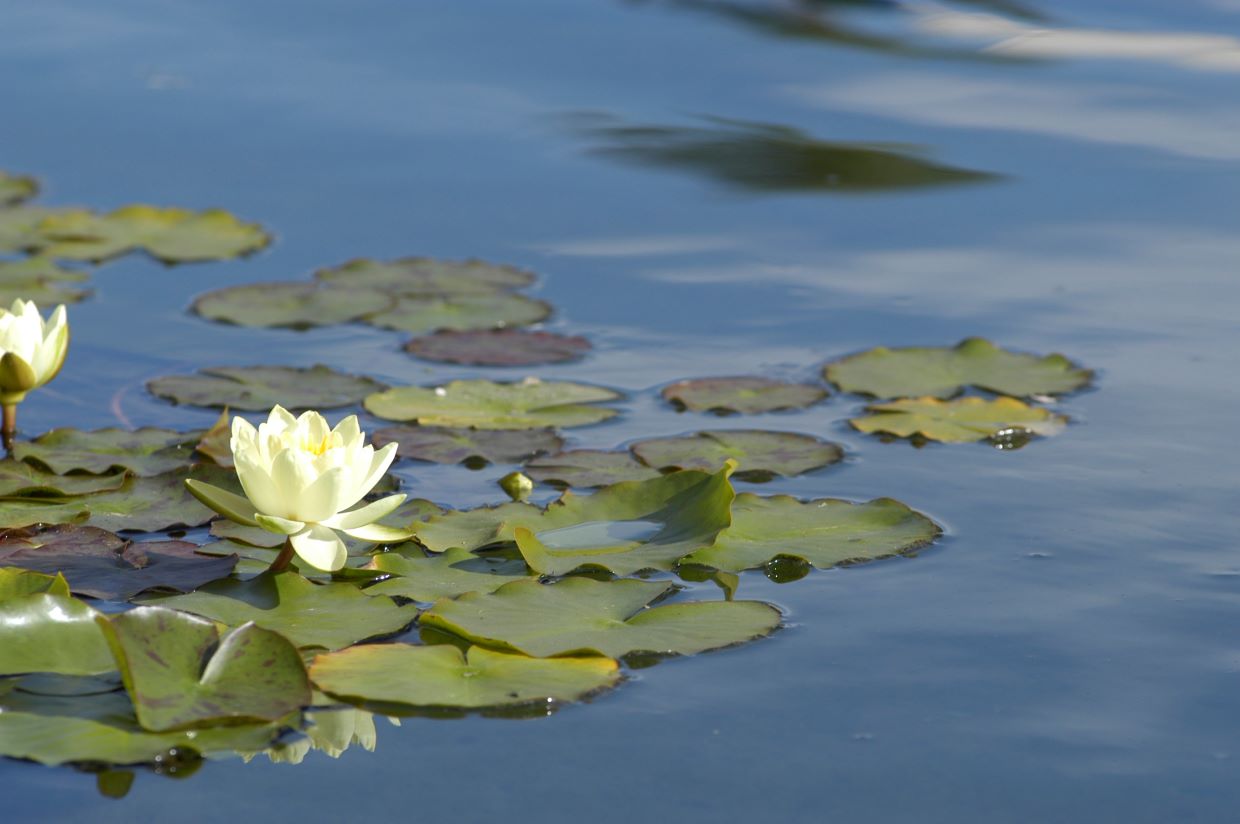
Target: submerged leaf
pixel 530 404
pixel 447 575
pixel 759 454
pixel 419 315
pixel 498 347
pixel 580 615
pixel 744 395
pixel 427 277
pixel 449 445
pixel 824 532
pixel 291 305
pixel 146 451
pixel 444 676
pixel 254 388
pixel 945 371
pixel 962 420
pixel 171 235
pixel 588 467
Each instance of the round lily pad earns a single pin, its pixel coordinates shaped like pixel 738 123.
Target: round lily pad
pixel 743 395
pixel 46 632
pixel 614 618
pixel 498 347
pixel 962 420
pixel 419 276
pixel 945 371
pixel 444 676
pixel 262 387
pixel 16 188
pixel 760 455
pixel 449 445
pixel 171 235
pixel 494 310
pixel 588 467
pixel 447 575
pixel 530 404
pixel 289 305
pixel 147 451
pixel 825 533
pixel 21 480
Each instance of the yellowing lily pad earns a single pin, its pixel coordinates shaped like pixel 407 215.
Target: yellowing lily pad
pixel 743 395
pixel 498 347
pixel 290 305
pixel 330 615
pixel 530 404
pixel 760 455
pixel 426 277
pixel 444 676
pixel 824 533
pixel 580 616
pixel 146 451
pixel 962 420
pixel 262 387
pixel 47 632
pixel 449 445
pixel 16 582
pixel 171 235
pixel 446 575
pixel 16 188
pixel 180 673
pixel 588 467
pixel 495 310
pixel 945 371
pixel 216 442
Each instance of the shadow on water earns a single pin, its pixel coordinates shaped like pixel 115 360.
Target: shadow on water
pixel 761 157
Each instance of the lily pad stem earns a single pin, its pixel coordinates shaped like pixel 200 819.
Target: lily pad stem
pixel 9 429
pixel 282 560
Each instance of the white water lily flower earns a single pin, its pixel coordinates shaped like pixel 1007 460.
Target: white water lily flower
pixel 31 350
pixel 300 478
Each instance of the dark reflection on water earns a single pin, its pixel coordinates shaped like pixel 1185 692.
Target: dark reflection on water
pixel 761 157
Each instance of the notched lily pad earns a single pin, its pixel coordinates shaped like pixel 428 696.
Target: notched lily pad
pixel 253 388
pixel 331 615
pixel 444 676
pixel 147 451
pixel 181 674
pixel 473 447
pixel 498 347
pixel 942 371
pixel 288 305
pixel 16 188
pixel 426 277
pixel 962 420
pixel 741 395
pixel 100 564
pixel 824 533
pixel 760 455
pixel 496 310
pixel 47 632
pixel 447 575
pixel 530 404
pixel 172 235
pixel 584 468
pixel 613 618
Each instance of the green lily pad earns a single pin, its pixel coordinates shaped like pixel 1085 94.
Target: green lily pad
pixel 21 480
pixel 216 442
pixel 824 533
pixel 171 235
pixel 962 420
pixel 16 188
pixel 496 310
pixel 102 565
pixel 42 291
pixel 447 445
pixel 446 575
pixel 102 729
pixel 147 451
pixel 444 676
pixel 46 632
pixel 256 388
pixel 417 276
pixel 945 371
pixel 530 404
pixel 38 267
pixel 612 618
pixel 289 305
pixel 331 615
pixel 743 395
pixel 623 528
pixel 498 347
pixel 180 673
pixel 760 455
pixel 414 509
pixel 588 467
pixel 15 582
pixel 19 226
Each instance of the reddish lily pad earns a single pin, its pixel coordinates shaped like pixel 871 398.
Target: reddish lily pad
pixel 448 445
pixel 498 347
pixel 419 276
pixel 741 395
pixel 588 467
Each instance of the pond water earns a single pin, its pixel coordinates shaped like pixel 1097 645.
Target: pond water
pixel 1068 651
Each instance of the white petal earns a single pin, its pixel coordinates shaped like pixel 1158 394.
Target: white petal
pixel 292 473
pixel 258 485
pixel 378 466
pixel 350 432
pixel 367 514
pixel 320 548
pixel 321 500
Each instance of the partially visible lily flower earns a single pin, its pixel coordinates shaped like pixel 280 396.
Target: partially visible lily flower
pixel 300 478
pixel 31 353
